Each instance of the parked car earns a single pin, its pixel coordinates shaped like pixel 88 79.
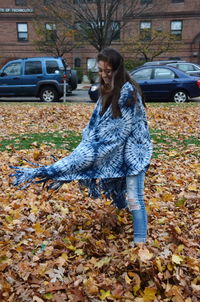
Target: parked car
pixel 189 68
pixel 39 77
pixel 162 62
pixel 166 83
pixel 94 92
pixel 162 82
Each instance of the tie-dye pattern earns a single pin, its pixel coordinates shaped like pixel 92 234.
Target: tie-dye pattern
pixel 110 150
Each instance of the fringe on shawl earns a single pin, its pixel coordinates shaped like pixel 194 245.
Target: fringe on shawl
pixel 112 188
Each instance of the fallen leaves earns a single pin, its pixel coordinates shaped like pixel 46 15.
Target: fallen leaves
pixel 63 246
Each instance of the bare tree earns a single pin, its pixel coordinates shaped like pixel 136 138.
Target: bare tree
pixel 53 38
pixel 150 44
pixel 98 22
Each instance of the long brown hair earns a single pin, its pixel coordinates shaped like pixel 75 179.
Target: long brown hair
pixel 120 76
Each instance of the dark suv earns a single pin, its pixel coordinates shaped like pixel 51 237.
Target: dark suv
pixel 39 76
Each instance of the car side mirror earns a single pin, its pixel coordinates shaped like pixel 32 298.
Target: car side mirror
pixel 3 74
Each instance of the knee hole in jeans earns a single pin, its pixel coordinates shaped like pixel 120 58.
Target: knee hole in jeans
pixel 133 205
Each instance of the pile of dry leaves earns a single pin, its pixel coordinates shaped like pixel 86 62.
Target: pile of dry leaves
pixel 63 246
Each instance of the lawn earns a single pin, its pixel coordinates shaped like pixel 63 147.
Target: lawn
pixel 64 246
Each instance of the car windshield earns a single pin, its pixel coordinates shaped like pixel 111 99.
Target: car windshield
pixel 13 69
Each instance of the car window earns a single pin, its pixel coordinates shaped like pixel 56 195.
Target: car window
pixel 186 67
pixel 33 67
pixel 52 66
pixel 163 73
pixel 13 69
pixel 173 64
pixel 143 74
pixel 196 67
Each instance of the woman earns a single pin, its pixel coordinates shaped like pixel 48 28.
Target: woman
pixel 115 150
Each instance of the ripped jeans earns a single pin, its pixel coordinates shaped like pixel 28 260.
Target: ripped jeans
pixel 135 204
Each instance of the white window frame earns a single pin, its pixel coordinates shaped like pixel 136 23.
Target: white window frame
pixel 22 28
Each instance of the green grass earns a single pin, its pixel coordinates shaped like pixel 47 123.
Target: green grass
pixel 68 140
pixel 59 140
pixel 163 143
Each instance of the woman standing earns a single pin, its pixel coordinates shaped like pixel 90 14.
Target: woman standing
pixel 115 150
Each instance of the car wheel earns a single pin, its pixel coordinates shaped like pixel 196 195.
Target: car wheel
pixel 49 94
pixel 73 79
pixel 180 96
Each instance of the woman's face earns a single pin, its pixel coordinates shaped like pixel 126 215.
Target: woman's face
pixel 105 72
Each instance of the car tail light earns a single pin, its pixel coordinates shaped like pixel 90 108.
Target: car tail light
pixel 64 78
pixel 198 83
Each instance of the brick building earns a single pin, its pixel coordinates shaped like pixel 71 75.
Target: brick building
pixel 180 17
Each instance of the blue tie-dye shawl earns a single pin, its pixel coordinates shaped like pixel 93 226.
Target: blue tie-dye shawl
pixel 110 150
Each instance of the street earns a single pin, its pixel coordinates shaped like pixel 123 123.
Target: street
pixel 77 96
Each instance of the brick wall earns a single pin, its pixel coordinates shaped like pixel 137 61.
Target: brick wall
pixel 161 15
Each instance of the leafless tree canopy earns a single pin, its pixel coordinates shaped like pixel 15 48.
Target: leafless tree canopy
pixel 97 21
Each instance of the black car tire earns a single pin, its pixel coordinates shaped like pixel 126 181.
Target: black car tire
pixel 180 96
pixel 49 94
pixel 73 80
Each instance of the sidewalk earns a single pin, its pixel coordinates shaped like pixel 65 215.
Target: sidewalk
pixel 83 86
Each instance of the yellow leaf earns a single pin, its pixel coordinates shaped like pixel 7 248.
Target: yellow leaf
pixel 135 289
pixel 127 279
pixel 193 187
pixel 34 210
pixel 167 197
pixel 111 237
pixel 64 211
pixel 172 153
pixel 161 220
pixel 156 243
pixel 104 294
pixel 48 296
pixel 38 228
pixel 170 267
pixel 145 255
pixel 178 230
pixel 71 247
pixel 159 265
pixel 64 256
pixel 103 261
pixel 177 259
pixel 79 252
pixel 180 248
pixel 149 294
pixel 36 154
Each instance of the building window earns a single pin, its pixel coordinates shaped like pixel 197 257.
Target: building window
pixel 146 1
pixel 115 30
pixel 145 30
pixel 92 65
pixel 22 32
pixel 177 1
pixel 21 2
pixel 176 29
pixel 51 34
pixel 48 2
pixel 77 62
